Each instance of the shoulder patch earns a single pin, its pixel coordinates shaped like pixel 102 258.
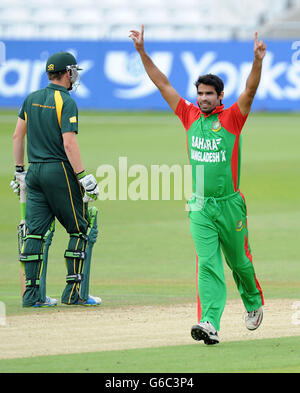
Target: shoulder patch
pixel 73 119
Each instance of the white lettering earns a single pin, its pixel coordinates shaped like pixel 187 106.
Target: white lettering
pixel 205 144
pixel 122 383
pixel 166 171
pixel 205 156
pixel 21 68
pixel 164 180
pixel 296 55
pixel 194 68
pixel 123 178
pixel 138 188
pixel 245 69
pixel 38 69
pixel 293 76
pixel 126 69
pixel 231 75
pixel 107 186
pixel 270 72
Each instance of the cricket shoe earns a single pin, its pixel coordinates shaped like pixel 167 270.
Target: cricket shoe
pixel 49 302
pixel 253 318
pixel 206 332
pixel 91 301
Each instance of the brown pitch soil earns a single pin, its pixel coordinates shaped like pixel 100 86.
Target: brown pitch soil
pixel 51 332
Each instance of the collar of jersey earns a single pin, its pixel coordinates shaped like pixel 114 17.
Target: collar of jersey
pixel 217 109
pixel 57 87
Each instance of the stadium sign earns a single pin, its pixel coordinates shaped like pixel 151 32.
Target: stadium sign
pixel 114 78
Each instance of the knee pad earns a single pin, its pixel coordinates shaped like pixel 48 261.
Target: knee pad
pixel 36 257
pixel 40 257
pixel 79 256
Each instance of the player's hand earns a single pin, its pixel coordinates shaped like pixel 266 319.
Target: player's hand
pixel 18 180
pixel 259 48
pixel 90 186
pixel 138 38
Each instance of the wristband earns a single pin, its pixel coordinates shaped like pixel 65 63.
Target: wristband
pixel 80 175
pixel 19 168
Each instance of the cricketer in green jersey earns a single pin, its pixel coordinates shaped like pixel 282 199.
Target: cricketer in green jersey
pixel 56 183
pixel 218 216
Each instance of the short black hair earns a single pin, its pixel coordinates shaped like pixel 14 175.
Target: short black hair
pixel 211 80
pixel 56 75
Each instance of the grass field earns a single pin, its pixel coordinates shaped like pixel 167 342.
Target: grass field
pixel 145 254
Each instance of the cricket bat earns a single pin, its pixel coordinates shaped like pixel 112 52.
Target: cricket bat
pixel 22 234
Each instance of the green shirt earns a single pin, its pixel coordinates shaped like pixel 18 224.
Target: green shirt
pixel 48 113
pixel 214 147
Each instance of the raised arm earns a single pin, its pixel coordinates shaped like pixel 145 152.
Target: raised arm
pixel 246 98
pixel 157 77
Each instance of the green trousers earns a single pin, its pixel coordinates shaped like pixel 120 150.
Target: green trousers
pixel 219 225
pixel 52 190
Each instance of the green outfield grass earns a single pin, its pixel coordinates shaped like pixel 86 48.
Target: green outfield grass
pixel 276 355
pixel 145 254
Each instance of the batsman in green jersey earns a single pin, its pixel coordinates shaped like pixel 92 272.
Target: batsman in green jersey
pixel 217 213
pixel 56 185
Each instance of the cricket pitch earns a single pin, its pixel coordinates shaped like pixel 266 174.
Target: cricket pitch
pixel 52 332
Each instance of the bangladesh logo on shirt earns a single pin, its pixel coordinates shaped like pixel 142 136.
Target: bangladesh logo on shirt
pixel 239 225
pixel 216 126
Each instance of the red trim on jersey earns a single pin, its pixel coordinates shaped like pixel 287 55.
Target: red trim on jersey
pixel 187 147
pixel 235 162
pixel 199 311
pixel 187 113
pixel 242 196
pixel 232 119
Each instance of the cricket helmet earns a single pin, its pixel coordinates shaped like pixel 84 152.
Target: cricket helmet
pixel 61 61
pixel 64 61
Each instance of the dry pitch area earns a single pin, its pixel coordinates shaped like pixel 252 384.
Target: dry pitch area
pixel 50 332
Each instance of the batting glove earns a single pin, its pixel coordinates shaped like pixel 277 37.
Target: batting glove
pixel 18 180
pixel 90 186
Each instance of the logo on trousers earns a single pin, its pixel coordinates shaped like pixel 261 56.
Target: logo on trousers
pixel 239 225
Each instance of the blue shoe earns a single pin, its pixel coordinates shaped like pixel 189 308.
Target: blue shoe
pixel 49 302
pixel 91 301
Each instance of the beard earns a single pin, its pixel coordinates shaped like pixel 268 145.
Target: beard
pixel 207 107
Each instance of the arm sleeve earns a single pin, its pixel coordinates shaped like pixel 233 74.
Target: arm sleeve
pixel 232 119
pixel 69 117
pixel 187 113
pixel 22 111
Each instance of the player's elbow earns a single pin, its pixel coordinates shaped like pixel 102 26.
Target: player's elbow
pixel 68 147
pixel 69 141
pixel 15 136
pixel 18 138
pixel 20 130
